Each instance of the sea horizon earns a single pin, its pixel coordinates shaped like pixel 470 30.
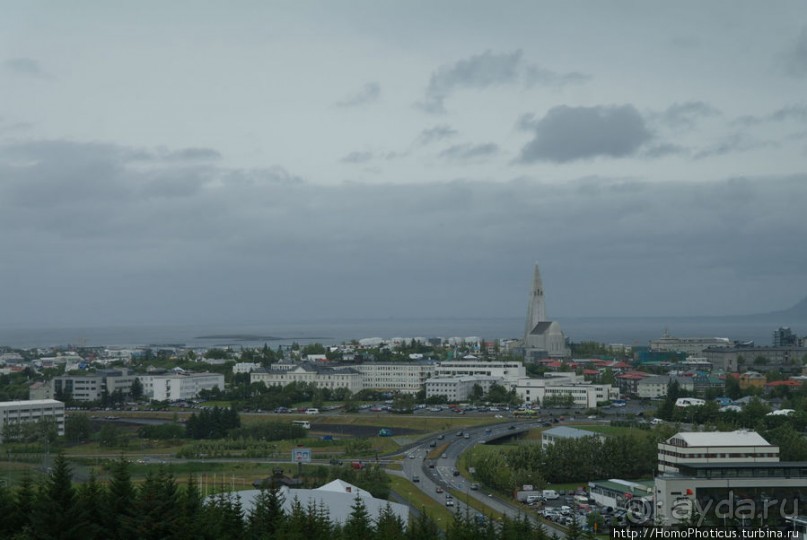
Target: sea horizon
pixel 633 331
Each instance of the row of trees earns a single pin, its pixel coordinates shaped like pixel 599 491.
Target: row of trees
pixel 571 460
pixel 212 423
pixel 160 508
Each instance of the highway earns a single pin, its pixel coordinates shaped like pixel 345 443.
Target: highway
pixel 443 473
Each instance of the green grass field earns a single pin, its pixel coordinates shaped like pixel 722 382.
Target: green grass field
pixel 416 498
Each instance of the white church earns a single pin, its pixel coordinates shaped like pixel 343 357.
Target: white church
pixel 542 338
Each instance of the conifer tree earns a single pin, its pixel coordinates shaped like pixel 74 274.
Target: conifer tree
pixel 120 500
pixel 423 527
pixel 7 507
pixel 191 505
pixel 358 525
pixel 389 526
pixel 91 498
pixel 155 515
pixel 55 513
pixel 293 527
pixel 267 515
pixel 20 519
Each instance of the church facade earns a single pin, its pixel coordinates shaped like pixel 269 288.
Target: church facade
pixel 542 338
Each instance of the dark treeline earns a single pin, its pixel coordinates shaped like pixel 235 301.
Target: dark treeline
pixel 212 423
pixel 160 508
pixel 572 460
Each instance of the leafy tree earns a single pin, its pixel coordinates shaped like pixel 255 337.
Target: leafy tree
pixel 403 403
pixel 110 437
pixel 313 348
pixel 136 390
pixel 477 393
pixel 217 353
pixel 77 428
pixel 497 394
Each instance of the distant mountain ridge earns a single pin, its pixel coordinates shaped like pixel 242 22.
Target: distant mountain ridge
pixel 799 310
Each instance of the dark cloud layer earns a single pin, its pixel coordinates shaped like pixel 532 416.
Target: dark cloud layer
pixel 89 236
pixel 573 133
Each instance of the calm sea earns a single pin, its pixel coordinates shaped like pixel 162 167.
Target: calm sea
pixel 630 331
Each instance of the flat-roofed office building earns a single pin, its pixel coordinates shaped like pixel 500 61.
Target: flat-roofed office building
pixel 15 413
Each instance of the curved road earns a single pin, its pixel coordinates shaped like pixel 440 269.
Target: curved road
pixel 442 473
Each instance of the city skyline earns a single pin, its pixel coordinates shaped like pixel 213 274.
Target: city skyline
pixel 201 163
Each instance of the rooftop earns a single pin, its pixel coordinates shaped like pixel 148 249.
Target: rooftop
pixel 721 438
pixel 569 433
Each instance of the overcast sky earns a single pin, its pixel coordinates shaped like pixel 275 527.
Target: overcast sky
pixel 225 162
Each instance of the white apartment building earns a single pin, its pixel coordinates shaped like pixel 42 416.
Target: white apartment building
pixel 509 372
pixel 584 394
pixel 245 367
pixel 457 389
pixel 25 412
pixel 322 377
pixel 179 386
pixel 656 386
pixel 92 387
pixel 406 377
pixel 714 448
pixel 688 345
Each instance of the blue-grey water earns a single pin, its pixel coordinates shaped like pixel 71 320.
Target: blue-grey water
pixel 630 330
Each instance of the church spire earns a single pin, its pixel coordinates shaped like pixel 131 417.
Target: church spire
pixel 536 311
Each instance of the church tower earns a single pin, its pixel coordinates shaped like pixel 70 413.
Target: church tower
pixel 542 338
pixel 536 310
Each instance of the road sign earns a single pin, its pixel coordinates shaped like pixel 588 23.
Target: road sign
pixel 301 455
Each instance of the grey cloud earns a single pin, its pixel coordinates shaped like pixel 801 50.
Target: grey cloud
pixel 358 157
pixel 795 113
pixel 369 93
pixel 24 66
pixel 466 152
pixel 535 75
pixel 437 133
pixel 168 243
pixel 664 150
pixel 735 142
pixel 686 115
pixel 181 155
pixel 486 70
pixel 796 57
pixel 366 156
pixel 567 134
pixel 193 154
